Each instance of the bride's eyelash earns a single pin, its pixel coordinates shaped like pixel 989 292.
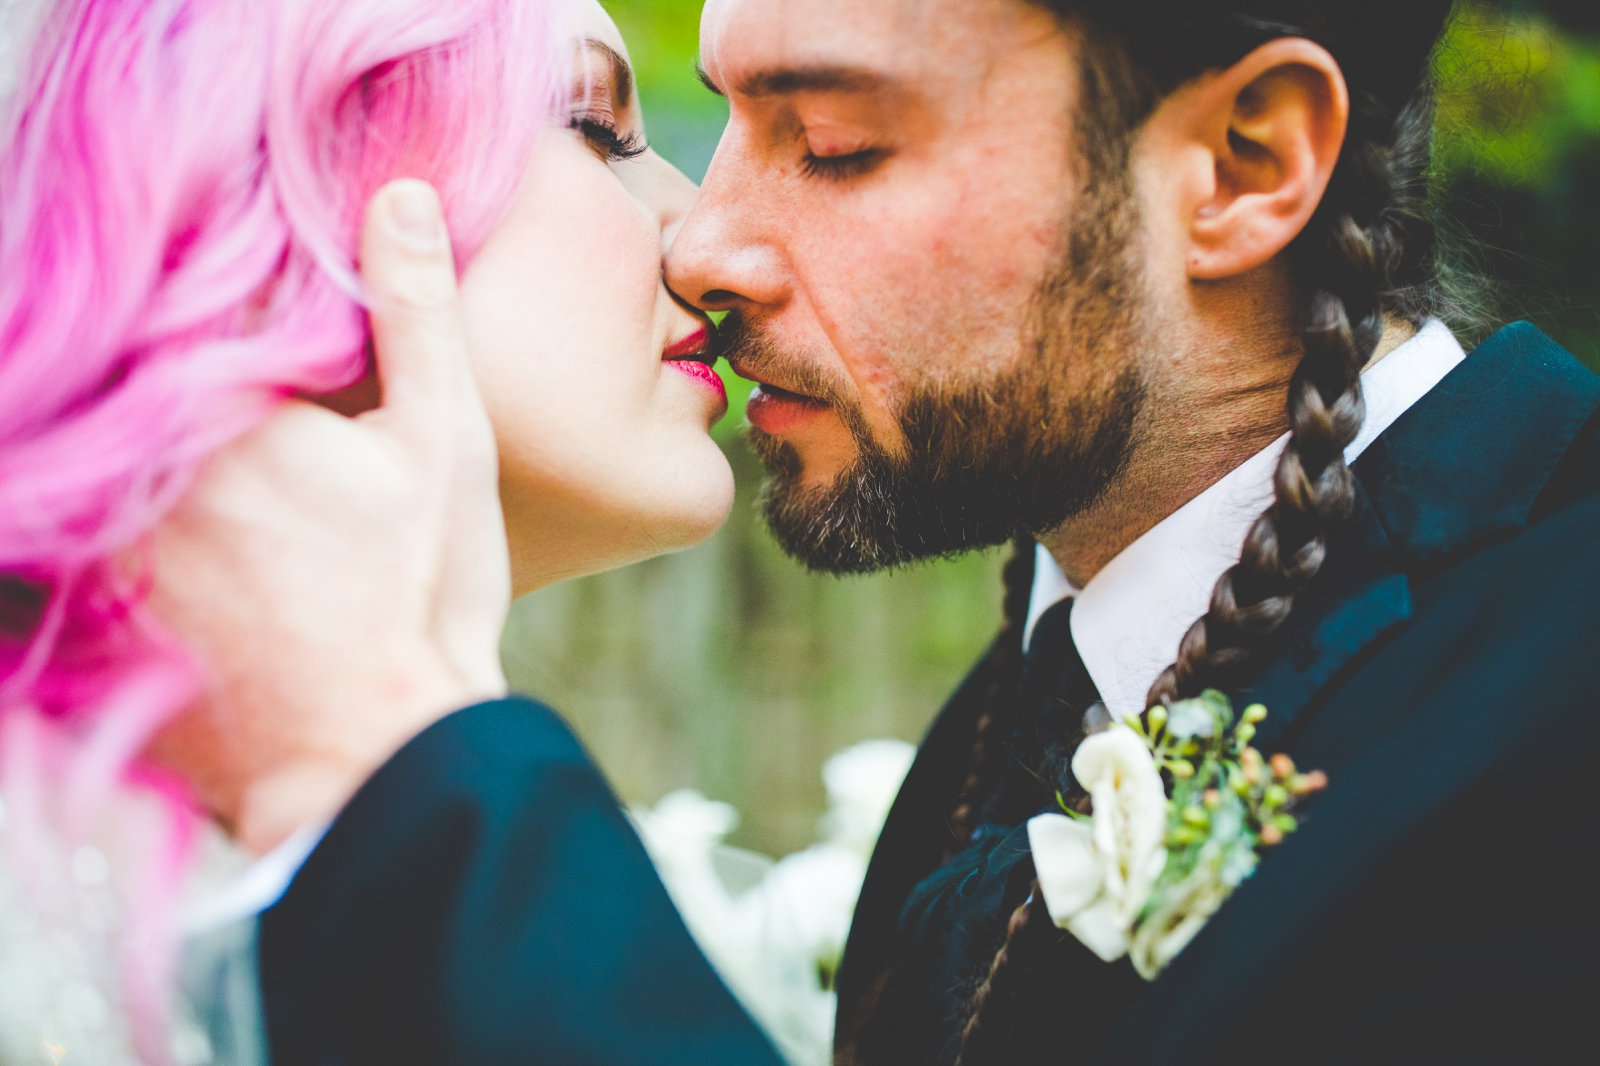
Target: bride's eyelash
pixel 605 139
pixel 840 167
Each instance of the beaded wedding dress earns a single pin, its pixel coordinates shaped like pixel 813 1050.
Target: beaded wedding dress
pixel 65 955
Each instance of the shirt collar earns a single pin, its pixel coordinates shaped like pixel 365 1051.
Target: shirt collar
pixel 1128 620
pixel 255 889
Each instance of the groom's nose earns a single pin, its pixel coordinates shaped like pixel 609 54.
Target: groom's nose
pixel 728 251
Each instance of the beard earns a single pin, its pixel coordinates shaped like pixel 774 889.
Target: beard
pixel 1016 453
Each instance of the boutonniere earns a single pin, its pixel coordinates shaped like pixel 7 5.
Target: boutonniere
pixel 1143 873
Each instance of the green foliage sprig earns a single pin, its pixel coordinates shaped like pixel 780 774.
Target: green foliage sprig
pixel 1225 804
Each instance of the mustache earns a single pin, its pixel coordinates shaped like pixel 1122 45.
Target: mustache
pixel 751 352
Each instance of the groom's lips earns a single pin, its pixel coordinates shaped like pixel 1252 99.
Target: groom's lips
pixel 777 411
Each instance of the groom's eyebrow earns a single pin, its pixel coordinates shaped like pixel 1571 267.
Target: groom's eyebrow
pixel 781 81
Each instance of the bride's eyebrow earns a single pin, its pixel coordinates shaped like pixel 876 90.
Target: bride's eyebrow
pixel 621 73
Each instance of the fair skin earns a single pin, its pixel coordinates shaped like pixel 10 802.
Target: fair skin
pixel 913 254
pixel 916 253
pixel 268 568
pixel 604 452
pixel 345 580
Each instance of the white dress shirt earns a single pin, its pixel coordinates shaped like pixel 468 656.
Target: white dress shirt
pixel 1127 621
pixel 261 884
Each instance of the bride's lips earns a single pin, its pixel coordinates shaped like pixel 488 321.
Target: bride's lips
pixel 777 411
pixel 690 356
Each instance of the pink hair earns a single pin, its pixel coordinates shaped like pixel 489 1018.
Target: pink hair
pixel 181 186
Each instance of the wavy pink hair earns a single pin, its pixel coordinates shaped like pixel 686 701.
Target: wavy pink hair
pixel 181 185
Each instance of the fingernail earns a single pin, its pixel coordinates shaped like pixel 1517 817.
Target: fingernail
pixel 414 212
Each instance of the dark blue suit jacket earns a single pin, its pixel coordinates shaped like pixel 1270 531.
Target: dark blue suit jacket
pixel 1444 669
pixel 482 900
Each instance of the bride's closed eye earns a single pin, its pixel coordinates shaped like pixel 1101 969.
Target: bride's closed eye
pixel 600 101
pixel 608 142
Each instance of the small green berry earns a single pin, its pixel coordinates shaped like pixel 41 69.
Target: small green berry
pixel 1183 835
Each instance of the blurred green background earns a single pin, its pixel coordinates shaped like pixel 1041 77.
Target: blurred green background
pixel 730 669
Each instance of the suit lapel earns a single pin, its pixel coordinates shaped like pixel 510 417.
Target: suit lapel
pixel 1465 467
pixel 1507 415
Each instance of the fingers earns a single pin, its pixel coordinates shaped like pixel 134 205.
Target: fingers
pixel 410 276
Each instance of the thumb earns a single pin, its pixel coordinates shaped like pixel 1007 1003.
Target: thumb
pixel 410 276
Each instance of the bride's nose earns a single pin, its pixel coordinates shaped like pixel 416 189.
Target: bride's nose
pixel 663 189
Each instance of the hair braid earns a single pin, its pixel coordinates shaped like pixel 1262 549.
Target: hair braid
pixel 997 1005
pixel 1369 230
pixel 1005 667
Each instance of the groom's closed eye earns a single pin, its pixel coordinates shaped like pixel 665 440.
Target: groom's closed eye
pixel 839 115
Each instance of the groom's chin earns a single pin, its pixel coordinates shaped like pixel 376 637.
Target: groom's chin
pixel 821 530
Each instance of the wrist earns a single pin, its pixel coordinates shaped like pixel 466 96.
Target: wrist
pixel 321 764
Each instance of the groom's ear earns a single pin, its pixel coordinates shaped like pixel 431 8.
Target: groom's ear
pixel 1255 146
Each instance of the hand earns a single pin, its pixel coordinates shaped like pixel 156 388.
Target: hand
pixel 344 580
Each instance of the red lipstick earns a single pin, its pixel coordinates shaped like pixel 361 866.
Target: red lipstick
pixel 704 374
pixel 693 344
pixel 689 357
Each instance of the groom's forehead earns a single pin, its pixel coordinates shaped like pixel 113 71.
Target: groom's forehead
pixel 745 43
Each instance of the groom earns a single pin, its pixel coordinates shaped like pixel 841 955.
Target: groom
pixel 1151 283
pixel 1154 283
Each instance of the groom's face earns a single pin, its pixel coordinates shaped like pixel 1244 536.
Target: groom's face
pixel 895 219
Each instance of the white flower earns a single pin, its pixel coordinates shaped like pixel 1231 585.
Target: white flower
pixel 1097 875
pixel 1178 911
pixel 1179 914
pixel 683 834
pixel 795 923
pixel 805 903
pixel 773 930
pixel 685 822
pixel 862 782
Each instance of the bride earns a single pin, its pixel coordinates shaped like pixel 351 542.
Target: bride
pixel 186 188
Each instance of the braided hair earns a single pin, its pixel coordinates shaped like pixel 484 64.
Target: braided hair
pixel 1368 254
pixel 1004 667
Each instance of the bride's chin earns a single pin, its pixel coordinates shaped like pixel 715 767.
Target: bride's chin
pixel 693 501
pixel 557 535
